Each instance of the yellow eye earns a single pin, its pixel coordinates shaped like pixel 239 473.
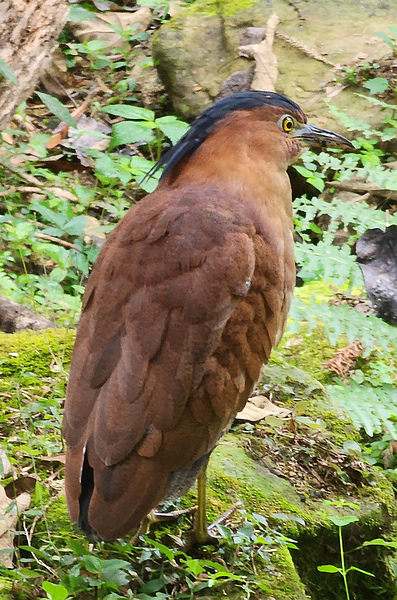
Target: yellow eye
pixel 287 123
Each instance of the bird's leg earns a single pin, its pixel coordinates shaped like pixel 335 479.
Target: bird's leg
pixel 201 531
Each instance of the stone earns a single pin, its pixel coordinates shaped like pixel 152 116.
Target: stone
pixel 197 50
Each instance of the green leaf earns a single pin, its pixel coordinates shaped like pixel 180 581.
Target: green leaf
pixel 360 571
pixel 110 168
pixel 130 132
pixel 328 569
pixel 30 573
pixel 377 85
pixel 129 112
pixel 194 566
pixel 78 13
pixel 7 71
pixel 154 585
pixel 92 563
pixel 23 230
pixel 170 554
pixel 57 274
pixel 76 225
pixel 386 39
pixel 380 542
pixel 317 182
pixel 351 447
pixel 50 215
pixel 55 591
pixel 285 517
pixel 343 521
pixel 172 127
pixel 57 108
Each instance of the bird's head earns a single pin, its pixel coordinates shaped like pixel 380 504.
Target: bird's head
pixel 265 123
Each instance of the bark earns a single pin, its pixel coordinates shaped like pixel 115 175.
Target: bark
pixel 28 33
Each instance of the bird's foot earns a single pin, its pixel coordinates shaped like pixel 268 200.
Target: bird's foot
pixel 210 535
pixel 156 516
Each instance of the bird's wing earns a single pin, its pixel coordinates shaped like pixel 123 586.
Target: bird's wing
pixel 161 292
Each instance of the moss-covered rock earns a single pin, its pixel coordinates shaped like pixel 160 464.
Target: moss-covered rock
pixel 282 471
pixel 263 487
pixel 198 49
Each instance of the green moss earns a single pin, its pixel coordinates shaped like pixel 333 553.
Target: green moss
pixel 231 7
pixel 59 526
pixel 289 585
pixel 35 351
pixel 33 361
pixel 10 589
pixel 211 8
pixel 233 476
pixel 308 350
pixel 206 8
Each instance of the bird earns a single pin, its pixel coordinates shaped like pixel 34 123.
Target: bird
pixel 184 304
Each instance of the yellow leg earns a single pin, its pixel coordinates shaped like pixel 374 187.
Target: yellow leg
pixel 201 535
pixel 201 532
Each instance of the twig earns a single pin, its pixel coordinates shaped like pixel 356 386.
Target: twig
pixel 305 49
pixel 50 238
pixel 298 10
pixel 362 187
pixel 38 560
pixel 44 509
pixel 7 165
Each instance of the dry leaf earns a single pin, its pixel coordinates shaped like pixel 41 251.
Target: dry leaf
pixel 100 28
pixel 62 130
pixel 18 486
pixel 175 7
pixel 55 78
pixel 260 407
pixel 61 458
pixel 79 140
pixel 5 466
pixel 8 521
pixel 345 358
pixel 93 232
pixel 61 193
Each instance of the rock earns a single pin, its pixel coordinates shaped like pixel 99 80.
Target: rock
pixel 377 256
pixel 15 317
pixel 197 50
pixel 286 477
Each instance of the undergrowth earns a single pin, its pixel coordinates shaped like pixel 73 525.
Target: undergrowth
pixel 53 224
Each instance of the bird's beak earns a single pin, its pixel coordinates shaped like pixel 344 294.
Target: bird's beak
pixel 315 136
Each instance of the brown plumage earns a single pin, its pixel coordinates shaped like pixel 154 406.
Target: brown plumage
pixel 185 302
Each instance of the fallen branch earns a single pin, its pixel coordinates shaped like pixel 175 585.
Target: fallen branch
pixel 305 49
pixel 362 187
pixel 50 238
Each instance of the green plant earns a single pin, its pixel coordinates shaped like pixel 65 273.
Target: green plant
pixel 55 591
pixel 340 522
pixel 142 126
pixel 391 40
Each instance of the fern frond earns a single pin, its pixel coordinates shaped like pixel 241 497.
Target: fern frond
pixel 346 321
pixel 327 262
pixel 371 409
